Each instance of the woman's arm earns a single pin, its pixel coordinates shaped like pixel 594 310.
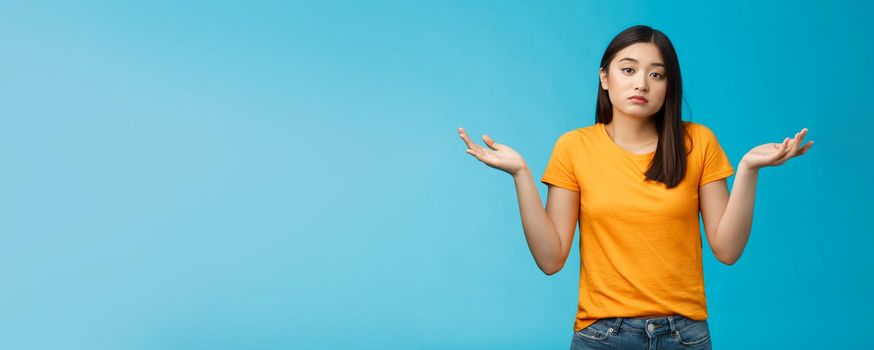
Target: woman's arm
pixel 728 219
pixel 549 232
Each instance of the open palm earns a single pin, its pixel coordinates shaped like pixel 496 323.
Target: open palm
pixel 497 156
pixel 773 154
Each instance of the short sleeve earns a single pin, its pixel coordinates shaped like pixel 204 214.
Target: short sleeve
pixel 560 168
pixel 716 163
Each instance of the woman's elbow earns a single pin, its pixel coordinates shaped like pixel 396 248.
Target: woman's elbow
pixel 728 260
pixel 551 270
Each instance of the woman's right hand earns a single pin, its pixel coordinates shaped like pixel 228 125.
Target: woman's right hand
pixel 500 157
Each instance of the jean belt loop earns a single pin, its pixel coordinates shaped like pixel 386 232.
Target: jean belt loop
pixel 673 326
pixel 616 323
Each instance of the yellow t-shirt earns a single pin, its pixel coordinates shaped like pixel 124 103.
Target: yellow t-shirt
pixel 640 243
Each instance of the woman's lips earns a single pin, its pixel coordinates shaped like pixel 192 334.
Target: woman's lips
pixel 637 99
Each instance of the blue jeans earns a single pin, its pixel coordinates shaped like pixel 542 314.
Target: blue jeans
pixel 656 333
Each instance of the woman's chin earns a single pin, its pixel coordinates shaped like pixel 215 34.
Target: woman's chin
pixel 638 115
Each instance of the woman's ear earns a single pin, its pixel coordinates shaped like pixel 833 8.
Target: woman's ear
pixel 603 75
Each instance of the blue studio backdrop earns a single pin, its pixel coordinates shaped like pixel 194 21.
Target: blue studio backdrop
pixel 275 175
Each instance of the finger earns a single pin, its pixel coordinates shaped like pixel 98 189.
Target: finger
pixel 801 136
pixel 476 151
pixel 789 144
pixel 463 135
pixel 791 148
pixel 783 151
pixel 799 142
pixel 805 148
pixel 489 142
pixel 466 139
pixel 796 142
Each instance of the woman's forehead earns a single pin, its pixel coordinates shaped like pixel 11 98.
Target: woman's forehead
pixel 640 53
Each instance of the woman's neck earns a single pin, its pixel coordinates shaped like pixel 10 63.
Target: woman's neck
pixel 632 133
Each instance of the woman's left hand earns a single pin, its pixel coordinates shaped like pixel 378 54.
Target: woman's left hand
pixel 773 154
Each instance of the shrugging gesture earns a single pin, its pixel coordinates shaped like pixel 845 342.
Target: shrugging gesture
pixel 773 154
pixel 499 156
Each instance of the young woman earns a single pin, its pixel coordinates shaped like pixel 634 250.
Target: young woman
pixel 635 181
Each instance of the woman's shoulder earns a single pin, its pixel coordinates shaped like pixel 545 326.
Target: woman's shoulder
pixel 583 131
pixel 698 130
pixel 690 125
pixel 577 138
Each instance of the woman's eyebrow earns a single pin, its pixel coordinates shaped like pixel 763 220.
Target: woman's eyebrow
pixel 659 64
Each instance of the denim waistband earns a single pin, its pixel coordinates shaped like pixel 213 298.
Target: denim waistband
pixel 647 325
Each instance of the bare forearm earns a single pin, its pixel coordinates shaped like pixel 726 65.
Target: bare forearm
pixel 540 232
pixel 733 230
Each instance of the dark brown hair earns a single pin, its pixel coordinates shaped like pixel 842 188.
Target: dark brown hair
pixel 669 162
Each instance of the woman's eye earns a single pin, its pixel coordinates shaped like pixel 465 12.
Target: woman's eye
pixel 658 75
pixel 626 70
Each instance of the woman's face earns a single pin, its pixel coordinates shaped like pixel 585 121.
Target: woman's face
pixel 636 70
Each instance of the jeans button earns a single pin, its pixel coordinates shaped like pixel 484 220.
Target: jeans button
pixel 650 327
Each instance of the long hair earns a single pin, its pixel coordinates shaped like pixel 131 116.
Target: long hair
pixel 669 162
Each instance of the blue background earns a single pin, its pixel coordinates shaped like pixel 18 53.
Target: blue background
pixel 236 175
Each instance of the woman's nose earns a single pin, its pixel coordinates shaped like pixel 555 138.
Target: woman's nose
pixel 641 85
